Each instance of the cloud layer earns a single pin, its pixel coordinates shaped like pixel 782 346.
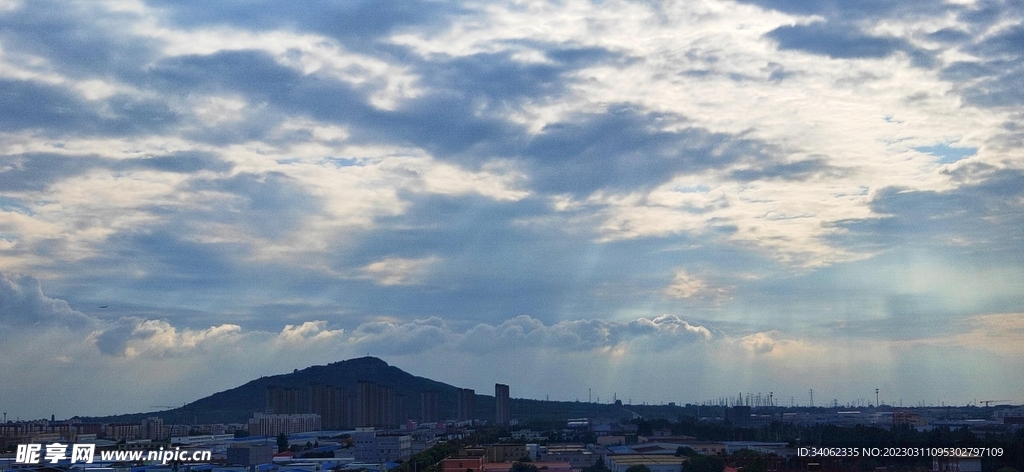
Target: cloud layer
pixel 744 184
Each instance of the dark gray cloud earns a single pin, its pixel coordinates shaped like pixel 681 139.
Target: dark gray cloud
pixel 33 172
pixel 997 77
pixel 626 149
pixel 360 23
pixel 982 213
pixel 502 259
pixel 113 340
pixel 172 264
pixel 187 162
pixel 78 40
pixel 838 40
pixel 950 35
pixel 38 171
pixel 269 205
pixel 793 171
pixel 853 10
pixel 31 105
pixel 22 304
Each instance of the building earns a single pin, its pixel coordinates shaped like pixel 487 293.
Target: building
pixel 127 431
pixel 272 425
pixel 285 401
pixel 577 455
pixel 250 454
pixel 501 405
pixel 655 462
pixel 376 405
pixel 153 428
pixel 331 403
pixel 546 466
pixel 367 404
pixel 380 448
pixel 430 407
pixel 465 404
pixel 460 463
pixel 956 464
pixel 506 452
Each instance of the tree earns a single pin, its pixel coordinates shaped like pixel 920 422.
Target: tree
pixel 282 442
pixel 598 466
pixel 524 467
pixel 685 451
pixel 757 465
pixel 638 468
pixel 705 464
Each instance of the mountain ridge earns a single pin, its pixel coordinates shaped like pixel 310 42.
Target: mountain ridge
pixel 237 405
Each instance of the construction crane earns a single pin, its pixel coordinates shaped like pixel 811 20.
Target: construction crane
pixel 989 402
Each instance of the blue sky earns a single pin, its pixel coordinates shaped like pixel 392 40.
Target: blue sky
pixel 666 201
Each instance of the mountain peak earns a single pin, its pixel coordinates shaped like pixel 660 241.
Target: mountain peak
pixel 365 361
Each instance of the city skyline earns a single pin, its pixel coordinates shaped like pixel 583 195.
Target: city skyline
pixel 371 404
pixel 666 202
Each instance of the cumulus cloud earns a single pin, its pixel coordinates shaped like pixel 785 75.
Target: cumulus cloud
pixel 390 337
pixel 686 286
pixel 778 344
pixel 131 337
pixel 399 271
pixel 23 304
pixel 524 332
pixel 307 332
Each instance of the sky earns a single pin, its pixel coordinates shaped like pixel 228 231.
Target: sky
pixel 668 201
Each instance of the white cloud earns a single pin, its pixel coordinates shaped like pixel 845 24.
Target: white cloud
pixel 527 333
pixel 307 333
pixel 863 117
pixel 399 271
pixel 776 344
pixel 159 338
pixel 388 85
pixel 492 181
pixel 687 286
pixel 398 338
pixel 998 333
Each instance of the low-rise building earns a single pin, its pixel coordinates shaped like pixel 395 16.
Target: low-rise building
pixel 463 464
pixel 577 455
pixel 542 466
pixel 655 462
pixel 272 425
pixel 250 454
pixel 379 448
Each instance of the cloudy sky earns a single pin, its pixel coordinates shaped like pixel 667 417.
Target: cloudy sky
pixel 666 201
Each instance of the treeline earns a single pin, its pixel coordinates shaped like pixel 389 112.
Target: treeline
pixel 1012 444
pixel 429 460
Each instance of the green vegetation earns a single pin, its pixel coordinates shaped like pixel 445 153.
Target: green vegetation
pixel 430 459
pixel 638 468
pixel 598 466
pixel 699 463
pixel 520 466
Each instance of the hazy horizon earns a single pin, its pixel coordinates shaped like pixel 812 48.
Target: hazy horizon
pixel 667 201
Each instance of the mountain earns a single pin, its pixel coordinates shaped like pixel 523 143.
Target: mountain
pixel 238 404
